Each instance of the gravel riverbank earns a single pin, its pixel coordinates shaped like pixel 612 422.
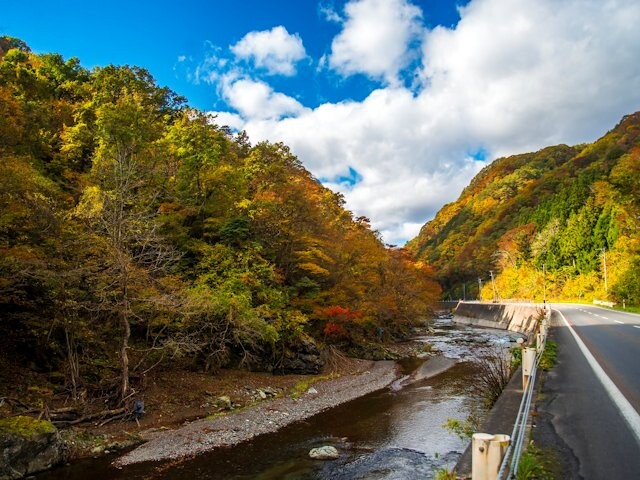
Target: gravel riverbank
pixel 205 435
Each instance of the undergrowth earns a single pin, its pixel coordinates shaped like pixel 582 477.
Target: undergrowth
pixel 549 354
pixel 303 385
pixel 535 464
pixel 464 429
pixel 444 474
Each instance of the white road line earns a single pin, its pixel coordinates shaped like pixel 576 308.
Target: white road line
pixel 606 318
pixel 619 312
pixel 628 412
pixel 618 321
pixel 636 326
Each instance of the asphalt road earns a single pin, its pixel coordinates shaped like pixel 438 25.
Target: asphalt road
pixel 589 407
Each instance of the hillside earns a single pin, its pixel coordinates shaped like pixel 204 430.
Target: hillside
pixel 136 233
pixel 565 210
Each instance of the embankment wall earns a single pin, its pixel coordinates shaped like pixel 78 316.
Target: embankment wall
pixel 516 317
pixel 446 306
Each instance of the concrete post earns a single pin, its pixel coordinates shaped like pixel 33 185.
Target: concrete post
pixel 528 361
pixel 497 450
pixel 480 456
pixel 487 452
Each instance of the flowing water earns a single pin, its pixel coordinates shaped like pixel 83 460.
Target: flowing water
pixel 391 434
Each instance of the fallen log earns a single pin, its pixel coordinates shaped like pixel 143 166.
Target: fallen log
pixel 92 416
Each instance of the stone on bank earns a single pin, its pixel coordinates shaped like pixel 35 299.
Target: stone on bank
pixel 324 453
pixel 28 445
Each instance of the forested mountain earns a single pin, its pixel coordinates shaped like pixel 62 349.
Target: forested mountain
pixel 135 232
pixel 568 211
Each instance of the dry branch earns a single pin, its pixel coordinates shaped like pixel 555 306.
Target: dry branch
pixel 92 416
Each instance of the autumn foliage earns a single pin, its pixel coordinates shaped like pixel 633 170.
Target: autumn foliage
pixel 136 232
pixel 546 223
pixel 338 323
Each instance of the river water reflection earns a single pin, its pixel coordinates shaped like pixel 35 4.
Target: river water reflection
pixel 378 435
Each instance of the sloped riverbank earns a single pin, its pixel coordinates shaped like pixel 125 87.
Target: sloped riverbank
pixel 390 433
pixel 267 417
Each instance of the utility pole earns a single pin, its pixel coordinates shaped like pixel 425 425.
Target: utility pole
pixel 493 284
pixel 604 260
pixel 544 283
pixel 464 292
pixel 479 287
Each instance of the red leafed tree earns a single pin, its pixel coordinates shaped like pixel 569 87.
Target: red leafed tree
pixel 338 322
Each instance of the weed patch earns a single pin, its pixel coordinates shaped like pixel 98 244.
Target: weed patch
pixel 303 385
pixel 549 354
pixel 444 474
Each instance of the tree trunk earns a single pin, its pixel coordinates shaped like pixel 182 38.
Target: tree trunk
pixel 74 366
pixel 125 326
pixel 126 333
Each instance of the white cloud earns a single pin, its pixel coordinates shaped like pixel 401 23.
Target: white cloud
pixel 275 50
pixel 512 76
pixel 209 70
pixel 375 38
pixel 524 74
pixel 256 100
pixel 329 14
pixel 231 120
pixel 407 167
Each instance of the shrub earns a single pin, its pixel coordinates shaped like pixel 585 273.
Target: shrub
pixel 494 373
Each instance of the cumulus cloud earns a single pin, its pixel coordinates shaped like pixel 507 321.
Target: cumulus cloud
pixel 511 76
pixel 275 50
pixel 232 120
pixel 375 38
pixel 406 168
pixel 256 100
pixel 524 74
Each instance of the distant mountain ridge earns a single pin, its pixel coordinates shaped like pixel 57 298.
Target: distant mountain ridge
pixel 553 210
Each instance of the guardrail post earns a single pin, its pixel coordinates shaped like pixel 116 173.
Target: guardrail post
pixel 487 452
pixel 480 456
pixel 528 362
pixel 497 450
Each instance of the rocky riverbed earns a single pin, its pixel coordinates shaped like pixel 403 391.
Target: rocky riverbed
pixel 395 432
pixel 228 430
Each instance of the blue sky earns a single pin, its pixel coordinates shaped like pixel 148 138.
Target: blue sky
pixel 397 104
pixel 154 34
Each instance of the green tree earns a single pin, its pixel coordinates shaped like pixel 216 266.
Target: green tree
pixel 121 206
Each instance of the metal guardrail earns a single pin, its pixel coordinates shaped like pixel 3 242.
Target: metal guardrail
pixel 511 460
pixel 509 465
pixel 530 361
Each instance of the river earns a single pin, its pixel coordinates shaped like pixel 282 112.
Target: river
pixel 390 434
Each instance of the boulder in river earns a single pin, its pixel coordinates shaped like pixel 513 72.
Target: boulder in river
pixel 28 445
pixel 389 463
pixel 324 453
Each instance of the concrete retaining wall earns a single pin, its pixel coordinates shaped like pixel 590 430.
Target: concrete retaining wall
pixel 516 317
pixel 445 306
